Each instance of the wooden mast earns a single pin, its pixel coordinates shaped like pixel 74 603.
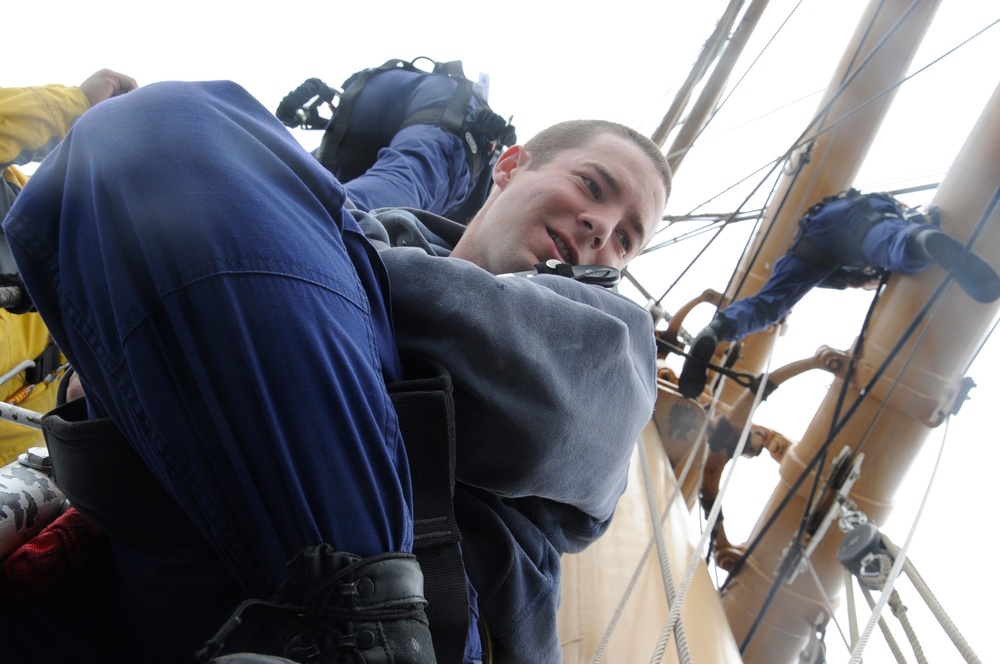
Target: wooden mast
pixel 703 108
pixel 892 421
pixel 901 408
pixel 709 52
pixel 832 150
pixel 839 140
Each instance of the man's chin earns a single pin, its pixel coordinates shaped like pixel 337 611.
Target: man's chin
pixel 526 264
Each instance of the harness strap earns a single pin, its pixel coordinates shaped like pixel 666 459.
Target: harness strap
pixel 811 252
pixel 114 489
pixel 481 135
pixel 805 249
pixel 103 477
pixel 426 410
pixel 333 137
pixel 46 363
pixel 454 113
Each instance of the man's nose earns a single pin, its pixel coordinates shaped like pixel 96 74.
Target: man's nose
pixel 598 229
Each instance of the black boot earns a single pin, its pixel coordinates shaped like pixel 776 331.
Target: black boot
pixel 340 608
pixel 695 371
pixel 973 274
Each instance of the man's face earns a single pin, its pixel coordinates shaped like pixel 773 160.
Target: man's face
pixel 597 204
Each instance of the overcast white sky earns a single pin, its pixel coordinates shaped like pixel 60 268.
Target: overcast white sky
pixel 621 61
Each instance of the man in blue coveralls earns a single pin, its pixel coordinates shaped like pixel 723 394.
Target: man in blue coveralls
pixel 847 241
pixel 401 136
pixel 232 313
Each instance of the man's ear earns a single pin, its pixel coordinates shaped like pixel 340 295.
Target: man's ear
pixel 513 158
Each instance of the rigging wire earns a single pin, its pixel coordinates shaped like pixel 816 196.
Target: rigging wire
pixel 924 591
pixel 725 223
pixel 897 566
pixel 877 375
pixel 823 113
pixel 801 141
pixel 827 602
pixel 850 73
pixel 774 165
pixel 912 327
pixel 714 220
pixel 931 306
pixel 791 556
pixel 732 90
pixel 753 120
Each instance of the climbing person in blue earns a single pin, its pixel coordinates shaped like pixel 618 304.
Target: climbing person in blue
pixel 847 240
pixel 404 136
pixel 238 319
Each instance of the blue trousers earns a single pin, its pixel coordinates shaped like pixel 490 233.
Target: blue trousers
pixel 198 269
pixel 420 166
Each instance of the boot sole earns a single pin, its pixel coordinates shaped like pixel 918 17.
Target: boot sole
pixel 972 273
pixel 694 375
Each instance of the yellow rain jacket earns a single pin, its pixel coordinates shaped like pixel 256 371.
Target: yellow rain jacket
pixel 32 121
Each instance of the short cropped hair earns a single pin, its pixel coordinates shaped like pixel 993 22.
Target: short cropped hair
pixel 546 144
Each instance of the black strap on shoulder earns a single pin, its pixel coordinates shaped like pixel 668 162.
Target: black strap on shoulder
pixel 426 409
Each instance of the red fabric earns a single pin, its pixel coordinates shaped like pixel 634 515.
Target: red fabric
pixel 66 548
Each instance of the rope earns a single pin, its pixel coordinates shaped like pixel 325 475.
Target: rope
pixel 801 141
pixel 897 652
pixel 826 601
pixel 852 609
pixel 700 446
pixel 932 603
pixel 899 610
pixel 710 522
pixel 661 549
pixel 820 458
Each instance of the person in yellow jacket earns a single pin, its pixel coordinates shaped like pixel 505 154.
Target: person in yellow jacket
pixel 32 121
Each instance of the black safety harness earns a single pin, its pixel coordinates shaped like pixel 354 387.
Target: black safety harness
pixel 483 132
pixel 94 466
pixel 811 252
pixel 861 203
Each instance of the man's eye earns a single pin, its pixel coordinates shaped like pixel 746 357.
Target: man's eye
pixel 625 241
pixel 595 189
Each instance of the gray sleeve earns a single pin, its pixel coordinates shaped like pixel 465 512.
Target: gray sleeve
pixel 554 379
